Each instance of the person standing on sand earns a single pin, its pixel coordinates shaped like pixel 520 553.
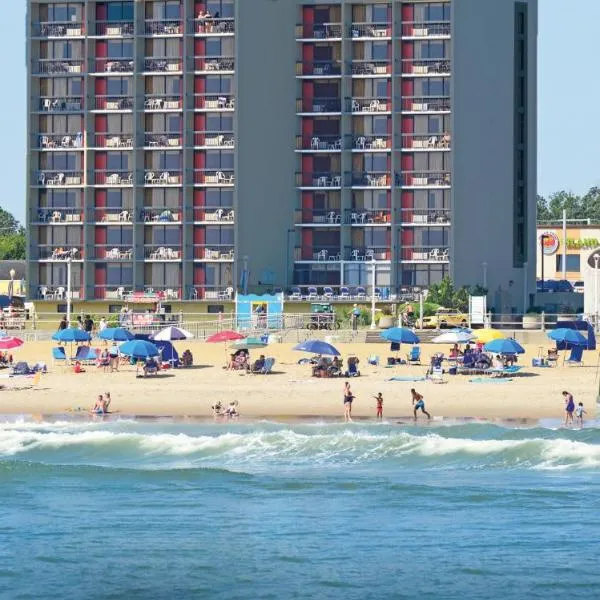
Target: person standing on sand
pixel 379 400
pixel 418 403
pixel 348 398
pixel 569 407
pixel 579 412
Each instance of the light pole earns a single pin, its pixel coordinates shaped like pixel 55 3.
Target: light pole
pixel 11 285
pixel 373 295
pixel 69 291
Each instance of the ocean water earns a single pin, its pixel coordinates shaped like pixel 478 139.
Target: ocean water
pixel 158 509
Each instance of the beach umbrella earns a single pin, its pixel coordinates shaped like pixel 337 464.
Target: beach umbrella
pixel 10 343
pixel 172 334
pixel 139 349
pixel 400 335
pixel 116 334
pixel 224 336
pixel 568 336
pixel 316 347
pixel 249 343
pixel 484 336
pixel 72 335
pixel 504 346
pixel 453 337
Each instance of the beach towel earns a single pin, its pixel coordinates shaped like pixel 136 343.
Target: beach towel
pixel 490 380
pixel 407 378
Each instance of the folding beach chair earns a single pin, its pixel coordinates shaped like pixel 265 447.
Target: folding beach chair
pixel 414 356
pixel 59 356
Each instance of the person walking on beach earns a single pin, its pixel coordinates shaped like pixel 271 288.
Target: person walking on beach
pixel 569 407
pixel 418 403
pixel 379 400
pixel 355 315
pixel 348 398
pixel 579 412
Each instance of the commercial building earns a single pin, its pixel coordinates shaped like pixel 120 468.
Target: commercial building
pixel 279 143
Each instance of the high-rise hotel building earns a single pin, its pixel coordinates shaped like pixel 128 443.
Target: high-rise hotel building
pixel 176 146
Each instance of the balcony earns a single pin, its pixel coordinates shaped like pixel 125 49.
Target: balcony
pixel 112 103
pixel 426 66
pixel 58 216
pixel 321 68
pixel 318 106
pixel 214 252
pixel 162 102
pixel 370 31
pixel 59 178
pixel 321 143
pixel 323 217
pixel 318 180
pixel 161 216
pixel 427 30
pixel 209 292
pixel 125 65
pixel 57 292
pixel 319 31
pixel 110 292
pixel 163 27
pixel 212 102
pixel 61 104
pixel 428 254
pixel 318 253
pixel 212 64
pixel 411 141
pixel 163 65
pixel 371 180
pixel 372 143
pixel 427 179
pixel 166 140
pixel 114 28
pixel 370 68
pixel 427 105
pixel 114 178
pixel 49 141
pixel 58 29
pixel 162 253
pixel 107 140
pixel 354 254
pixel 111 216
pixel 162 293
pixel 368 216
pixel 371 105
pixel 163 178
pixel 425 218
pixel 210 178
pixel 52 66
pixel 224 215
pixel 211 140
pixel 112 253
pixel 51 253
pixel 204 27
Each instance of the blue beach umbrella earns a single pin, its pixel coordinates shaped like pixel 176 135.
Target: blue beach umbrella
pixel 317 347
pixel 139 349
pixel 116 334
pixel 72 335
pixel 504 346
pixel 571 337
pixel 400 335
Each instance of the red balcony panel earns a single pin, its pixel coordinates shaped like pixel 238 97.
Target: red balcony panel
pixel 408 12
pixel 199 122
pixel 101 123
pixel 100 198
pixel 100 275
pixel 101 12
pixel 407 162
pixel 408 50
pixel 100 235
pixel 100 161
pixel 199 47
pixel 101 49
pixel 408 124
pixel 199 160
pixel 199 275
pixel 408 199
pixel 307 163
pixel 199 235
pixel 408 88
pixel 199 85
pixel 307 200
pixel 199 198
pixel 308 19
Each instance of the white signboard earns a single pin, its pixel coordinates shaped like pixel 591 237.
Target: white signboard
pixel 477 309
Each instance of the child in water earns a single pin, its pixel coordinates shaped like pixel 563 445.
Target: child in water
pixel 579 412
pixel 379 400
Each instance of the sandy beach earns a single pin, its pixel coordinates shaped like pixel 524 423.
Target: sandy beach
pixel 290 391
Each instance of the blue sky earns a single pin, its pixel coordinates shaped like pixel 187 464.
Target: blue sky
pixel 568 125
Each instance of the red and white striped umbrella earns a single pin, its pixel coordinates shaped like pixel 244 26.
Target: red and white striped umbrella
pixel 9 343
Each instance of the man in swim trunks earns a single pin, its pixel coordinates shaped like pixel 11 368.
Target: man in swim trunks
pixel 569 407
pixel 418 403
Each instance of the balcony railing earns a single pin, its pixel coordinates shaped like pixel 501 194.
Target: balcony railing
pixel 112 253
pixel 425 254
pixel 413 216
pixel 214 102
pixel 114 28
pixel 108 140
pixel 163 102
pixel 320 142
pixel 161 215
pixel 371 179
pixel 224 139
pixel 370 105
pixel 50 141
pixel 112 215
pixel 320 180
pixel 318 253
pixel 158 178
pixel 210 177
pixel 319 31
pixel 52 66
pixel 61 104
pixel 58 29
pixel 368 216
pixel 357 254
pixel 59 178
pixel 58 215
pixel 433 142
pixel 370 30
pixel 163 140
pixel 319 68
pixel 212 26
pixel 371 142
pixel 58 253
pixel 371 67
pixel 220 252
pixel 112 103
pixel 163 64
pixel 426 66
pixel 162 253
pixel 57 292
pixel 114 178
pixel 426 29
pixel 426 178
pixel 209 292
pixel 110 292
pixel 426 104
pixel 210 64
pixel 124 65
pixel 319 105
pixel 163 27
pixel 309 216
pixel 223 215
pixel 162 292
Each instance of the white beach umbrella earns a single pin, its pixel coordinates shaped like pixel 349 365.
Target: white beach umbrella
pixel 454 337
pixel 172 334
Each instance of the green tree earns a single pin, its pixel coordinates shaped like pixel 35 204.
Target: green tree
pixel 8 223
pixel 543 212
pixel 12 246
pixel 442 293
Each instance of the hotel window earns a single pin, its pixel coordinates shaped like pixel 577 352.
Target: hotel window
pixel 117 86
pixel 223 7
pixel 119 236
pixel 573 263
pixel 119 11
pixel 120 49
pixel 216 198
pixel 119 274
pixel 166 236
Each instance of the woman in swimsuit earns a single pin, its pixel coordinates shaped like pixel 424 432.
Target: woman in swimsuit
pixel 348 397
pixel 569 407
